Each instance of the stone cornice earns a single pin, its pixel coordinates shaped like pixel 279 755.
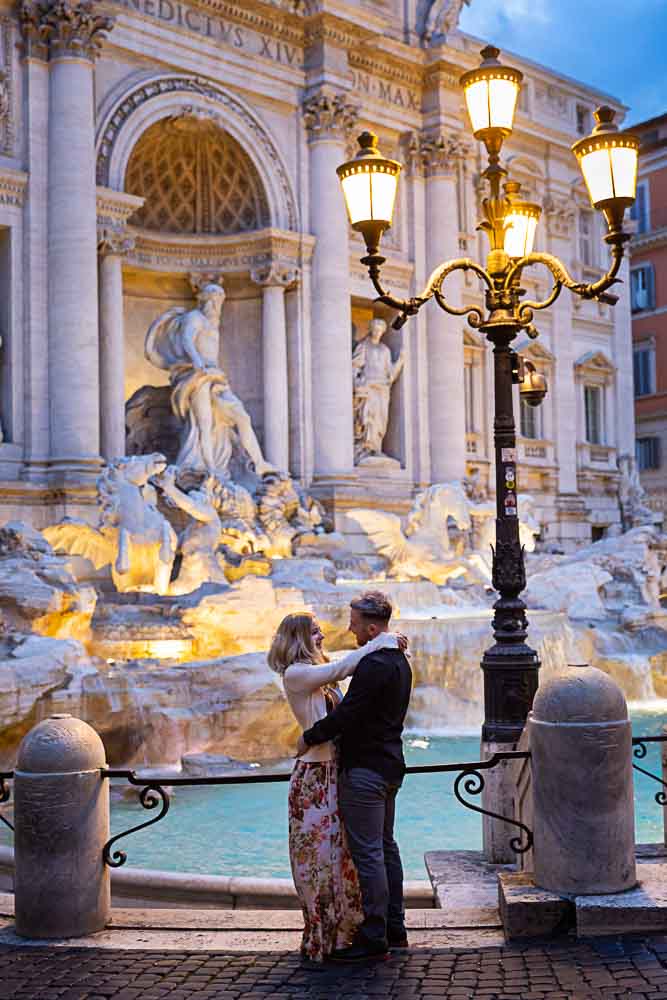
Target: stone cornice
pixel 395 272
pixel 649 241
pixel 71 28
pixel 240 253
pixel 114 208
pixel 13 185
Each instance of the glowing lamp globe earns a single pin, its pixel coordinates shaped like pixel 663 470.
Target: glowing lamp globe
pixel 608 161
pixel 491 93
pixel 369 183
pixel 521 223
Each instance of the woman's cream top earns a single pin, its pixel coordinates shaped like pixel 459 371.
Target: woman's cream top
pixel 303 683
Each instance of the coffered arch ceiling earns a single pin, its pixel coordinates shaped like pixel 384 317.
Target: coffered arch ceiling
pixel 195 179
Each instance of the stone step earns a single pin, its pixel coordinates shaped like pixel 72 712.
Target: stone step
pixel 465 886
pixel 267 931
pixel 639 910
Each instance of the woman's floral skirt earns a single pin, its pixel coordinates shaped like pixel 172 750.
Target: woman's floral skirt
pixel 323 871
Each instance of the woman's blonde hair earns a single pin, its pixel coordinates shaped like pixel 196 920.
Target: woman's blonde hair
pixel 293 643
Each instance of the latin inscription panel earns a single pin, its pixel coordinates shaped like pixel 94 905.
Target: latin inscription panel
pixel 226 33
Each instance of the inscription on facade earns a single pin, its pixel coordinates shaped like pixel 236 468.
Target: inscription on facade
pixel 383 90
pixel 235 36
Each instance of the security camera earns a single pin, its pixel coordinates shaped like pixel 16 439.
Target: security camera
pixel 532 384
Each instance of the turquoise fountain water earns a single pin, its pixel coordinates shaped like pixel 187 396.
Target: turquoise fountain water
pixel 242 830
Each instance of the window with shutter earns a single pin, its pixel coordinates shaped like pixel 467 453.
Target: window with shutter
pixel 647 453
pixel 593 414
pixel 586 240
pixel 639 209
pixel 644 370
pixel 642 288
pixel 468 393
pixel 531 420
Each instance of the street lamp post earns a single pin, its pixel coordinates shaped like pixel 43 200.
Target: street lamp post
pixel 608 160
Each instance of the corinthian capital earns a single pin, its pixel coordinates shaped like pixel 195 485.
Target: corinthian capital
pixel 34 29
pixel 114 242
pixel 329 116
pixel 277 273
pixel 432 153
pixel 63 28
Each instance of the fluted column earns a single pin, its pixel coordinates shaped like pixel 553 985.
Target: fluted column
pixel 273 281
pixel 328 119
pixel 74 32
pixel 36 126
pixel 439 155
pixel 113 245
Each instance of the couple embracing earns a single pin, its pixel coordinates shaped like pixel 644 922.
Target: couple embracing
pixel 345 861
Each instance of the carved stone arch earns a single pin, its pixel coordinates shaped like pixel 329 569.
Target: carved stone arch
pixel 152 100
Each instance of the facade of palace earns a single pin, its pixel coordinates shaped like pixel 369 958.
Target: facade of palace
pixel 648 300
pixel 148 147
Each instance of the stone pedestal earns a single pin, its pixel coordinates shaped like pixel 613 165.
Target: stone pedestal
pixel 61 814
pixel 583 804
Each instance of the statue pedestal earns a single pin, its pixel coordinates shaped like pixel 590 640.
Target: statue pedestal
pixel 378 465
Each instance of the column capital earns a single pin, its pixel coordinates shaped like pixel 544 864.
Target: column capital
pixel 434 152
pixel 62 28
pixel 276 274
pixel 199 280
pixel 114 242
pixel 329 116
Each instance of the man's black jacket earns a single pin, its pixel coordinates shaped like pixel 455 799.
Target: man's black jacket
pixel 370 718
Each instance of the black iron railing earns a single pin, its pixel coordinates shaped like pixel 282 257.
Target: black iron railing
pixel 470 781
pixel 5 793
pixel 639 752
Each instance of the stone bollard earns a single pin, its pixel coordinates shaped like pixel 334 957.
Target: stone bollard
pixel 583 803
pixel 61 810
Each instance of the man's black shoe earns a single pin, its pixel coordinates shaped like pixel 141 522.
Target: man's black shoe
pixel 398 941
pixel 359 953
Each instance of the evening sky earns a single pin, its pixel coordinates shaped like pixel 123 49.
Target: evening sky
pixel 617 47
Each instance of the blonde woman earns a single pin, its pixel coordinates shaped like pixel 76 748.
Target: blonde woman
pixel 324 874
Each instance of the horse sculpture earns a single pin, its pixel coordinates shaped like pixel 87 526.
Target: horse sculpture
pixel 423 550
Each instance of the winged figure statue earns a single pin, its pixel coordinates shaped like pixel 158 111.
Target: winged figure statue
pixel 423 550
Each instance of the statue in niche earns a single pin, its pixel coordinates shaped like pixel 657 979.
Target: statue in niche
pixel 186 343
pixel 133 536
pixel 436 18
pixel 374 374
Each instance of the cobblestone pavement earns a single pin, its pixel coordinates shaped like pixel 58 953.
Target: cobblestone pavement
pixel 565 970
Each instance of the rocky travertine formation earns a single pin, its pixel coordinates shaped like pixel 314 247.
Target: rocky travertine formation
pixel 37 590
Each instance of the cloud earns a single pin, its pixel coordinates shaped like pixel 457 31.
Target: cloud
pixel 488 18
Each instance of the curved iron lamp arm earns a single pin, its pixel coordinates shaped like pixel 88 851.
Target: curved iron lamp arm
pixel 432 289
pixel 563 279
